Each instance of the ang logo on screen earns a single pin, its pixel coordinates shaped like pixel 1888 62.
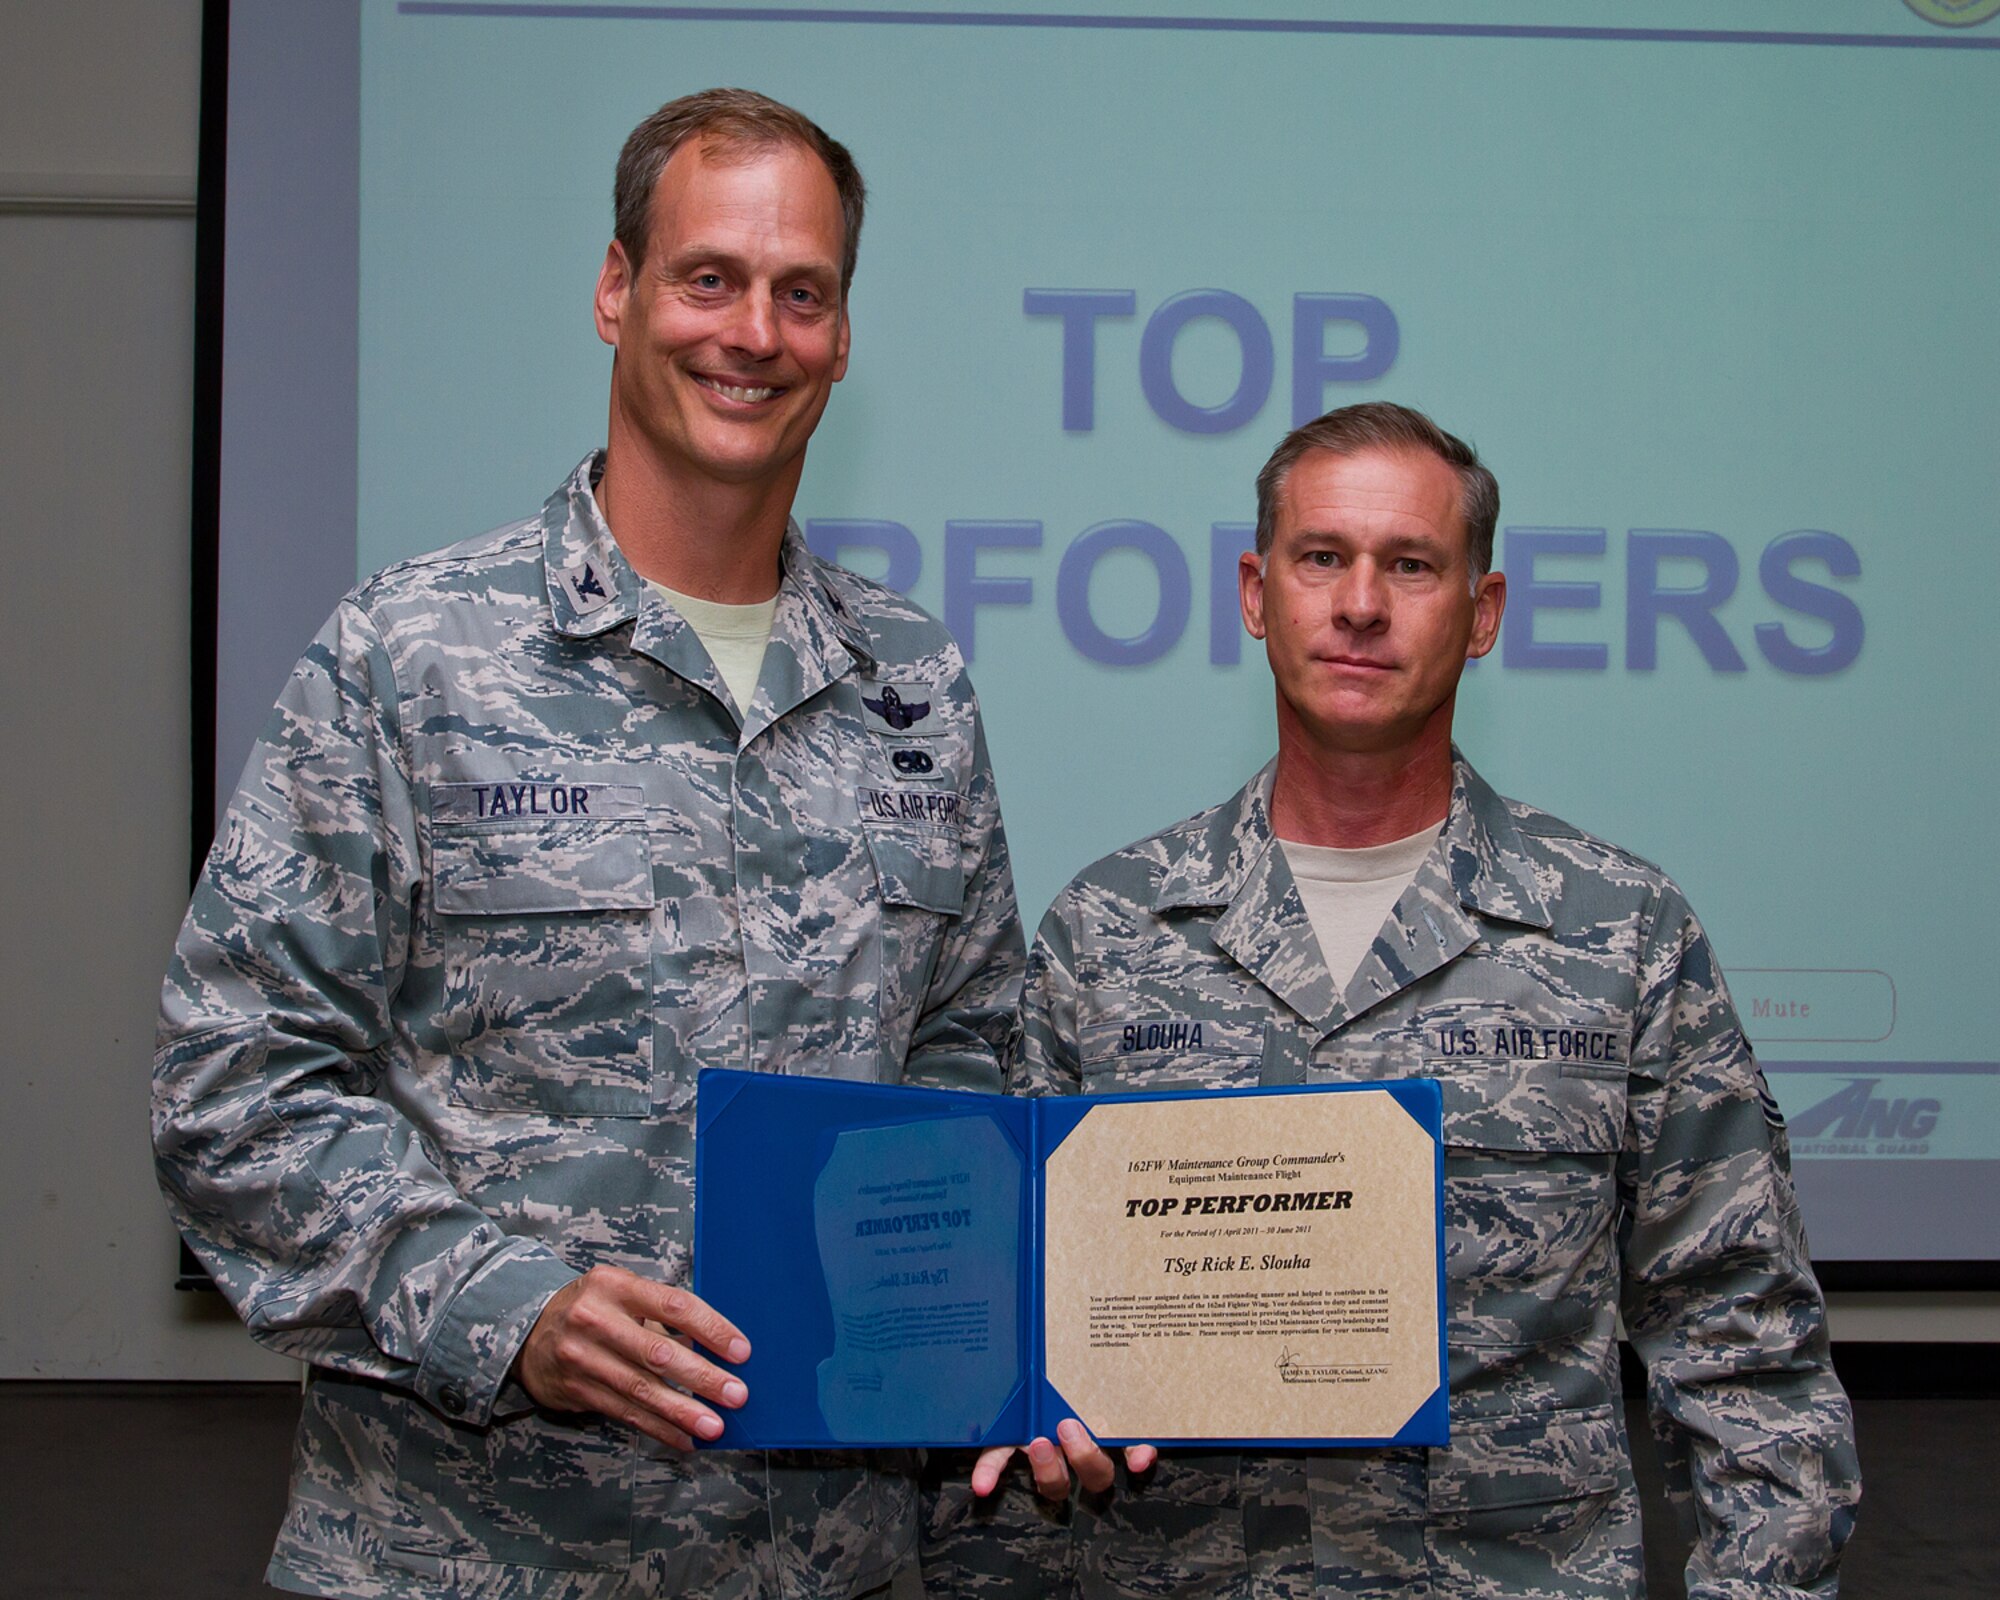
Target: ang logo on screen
pixel 1855 1121
pixel 1954 13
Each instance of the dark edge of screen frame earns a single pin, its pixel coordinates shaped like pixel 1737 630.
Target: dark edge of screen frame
pixel 192 1274
pixel 205 493
pixel 1848 1277
pixel 1894 1369
pixel 205 499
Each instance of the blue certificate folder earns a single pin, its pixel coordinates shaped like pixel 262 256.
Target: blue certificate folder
pixel 881 1248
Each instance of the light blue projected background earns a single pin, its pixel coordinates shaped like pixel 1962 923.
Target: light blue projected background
pixel 1718 311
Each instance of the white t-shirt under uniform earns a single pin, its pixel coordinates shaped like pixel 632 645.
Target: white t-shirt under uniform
pixel 1349 893
pixel 735 637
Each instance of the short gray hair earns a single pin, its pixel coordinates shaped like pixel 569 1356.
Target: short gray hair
pixel 734 120
pixel 1384 425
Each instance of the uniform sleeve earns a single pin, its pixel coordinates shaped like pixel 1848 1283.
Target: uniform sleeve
pixel 319 1210
pixel 1719 1294
pixel 965 1030
pixel 1048 1060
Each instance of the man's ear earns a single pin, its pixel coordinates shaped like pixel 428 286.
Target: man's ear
pixel 614 290
pixel 1250 591
pixel 1489 604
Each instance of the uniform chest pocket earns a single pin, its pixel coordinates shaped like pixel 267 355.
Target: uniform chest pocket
pixel 918 864
pixel 1531 1108
pixel 543 922
pixel 1160 1052
pixel 1530 1195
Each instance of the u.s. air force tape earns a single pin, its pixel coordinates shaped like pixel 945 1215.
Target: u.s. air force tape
pixel 929 808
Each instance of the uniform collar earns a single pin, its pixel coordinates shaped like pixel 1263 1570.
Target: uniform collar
pixel 1231 859
pixel 816 635
pixel 1490 866
pixel 1480 845
pixel 592 587
pixel 815 638
pixel 1212 862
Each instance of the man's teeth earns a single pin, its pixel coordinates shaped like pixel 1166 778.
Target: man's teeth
pixel 743 396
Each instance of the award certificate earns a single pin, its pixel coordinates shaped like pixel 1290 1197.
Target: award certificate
pixel 917 1266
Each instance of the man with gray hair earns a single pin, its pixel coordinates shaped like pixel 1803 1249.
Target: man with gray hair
pixel 544 824
pixel 1367 908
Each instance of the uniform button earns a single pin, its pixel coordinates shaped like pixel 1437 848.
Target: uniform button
pixel 452 1398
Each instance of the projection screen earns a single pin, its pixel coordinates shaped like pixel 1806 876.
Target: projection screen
pixel 1715 304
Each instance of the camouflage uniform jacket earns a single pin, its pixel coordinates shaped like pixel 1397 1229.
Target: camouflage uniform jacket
pixel 1611 1146
pixel 503 873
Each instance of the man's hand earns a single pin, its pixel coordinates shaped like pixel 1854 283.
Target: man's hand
pixel 1051 1467
pixel 592 1350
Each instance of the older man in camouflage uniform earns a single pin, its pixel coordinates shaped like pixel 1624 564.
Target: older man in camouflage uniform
pixel 1611 1144
pixel 524 846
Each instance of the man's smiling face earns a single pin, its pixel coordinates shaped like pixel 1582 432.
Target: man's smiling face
pixel 1366 601
pixel 732 332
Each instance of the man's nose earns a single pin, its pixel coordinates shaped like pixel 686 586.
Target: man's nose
pixel 1361 599
pixel 754 328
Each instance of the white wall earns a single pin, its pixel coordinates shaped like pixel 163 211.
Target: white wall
pixel 98 105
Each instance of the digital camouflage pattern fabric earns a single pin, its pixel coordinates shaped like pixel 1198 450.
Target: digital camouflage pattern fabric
pixel 505 870
pixel 1611 1145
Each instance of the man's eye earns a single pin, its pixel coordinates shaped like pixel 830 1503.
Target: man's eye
pixel 708 280
pixel 1322 558
pixel 802 297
